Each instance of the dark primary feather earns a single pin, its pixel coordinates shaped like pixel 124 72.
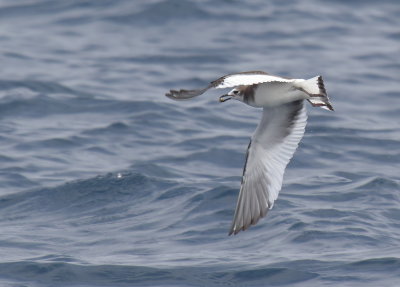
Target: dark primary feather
pixel 184 94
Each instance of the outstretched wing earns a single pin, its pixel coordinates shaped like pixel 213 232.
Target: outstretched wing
pixel 228 81
pixel 270 150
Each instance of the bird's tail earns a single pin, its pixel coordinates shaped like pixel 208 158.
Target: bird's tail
pixel 315 88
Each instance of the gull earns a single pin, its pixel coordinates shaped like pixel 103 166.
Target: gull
pixel 276 137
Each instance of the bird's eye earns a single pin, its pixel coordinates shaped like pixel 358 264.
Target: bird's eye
pixel 236 92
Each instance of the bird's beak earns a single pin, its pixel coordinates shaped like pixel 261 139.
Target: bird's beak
pixel 224 98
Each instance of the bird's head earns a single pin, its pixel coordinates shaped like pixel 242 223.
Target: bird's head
pixel 240 93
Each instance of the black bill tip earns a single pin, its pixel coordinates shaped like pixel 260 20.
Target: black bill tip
pixel 224 98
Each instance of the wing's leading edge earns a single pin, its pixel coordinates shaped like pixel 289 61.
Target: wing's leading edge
pixel 228 81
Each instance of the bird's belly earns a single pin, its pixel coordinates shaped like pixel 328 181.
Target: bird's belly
pixel 277 93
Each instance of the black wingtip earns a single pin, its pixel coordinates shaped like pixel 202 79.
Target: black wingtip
pixel 183 94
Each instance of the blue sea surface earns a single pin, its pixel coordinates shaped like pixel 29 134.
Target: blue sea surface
pixel 106 182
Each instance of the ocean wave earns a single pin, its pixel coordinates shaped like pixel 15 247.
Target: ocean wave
pixel 63 273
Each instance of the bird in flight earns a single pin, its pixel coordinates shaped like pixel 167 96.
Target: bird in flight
pixel 276 137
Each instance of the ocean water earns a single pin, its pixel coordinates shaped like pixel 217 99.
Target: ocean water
pixel 106 182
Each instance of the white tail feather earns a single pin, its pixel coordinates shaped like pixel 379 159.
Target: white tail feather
pixel 315 88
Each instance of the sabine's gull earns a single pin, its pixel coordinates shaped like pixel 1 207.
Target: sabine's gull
pixel 276 137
